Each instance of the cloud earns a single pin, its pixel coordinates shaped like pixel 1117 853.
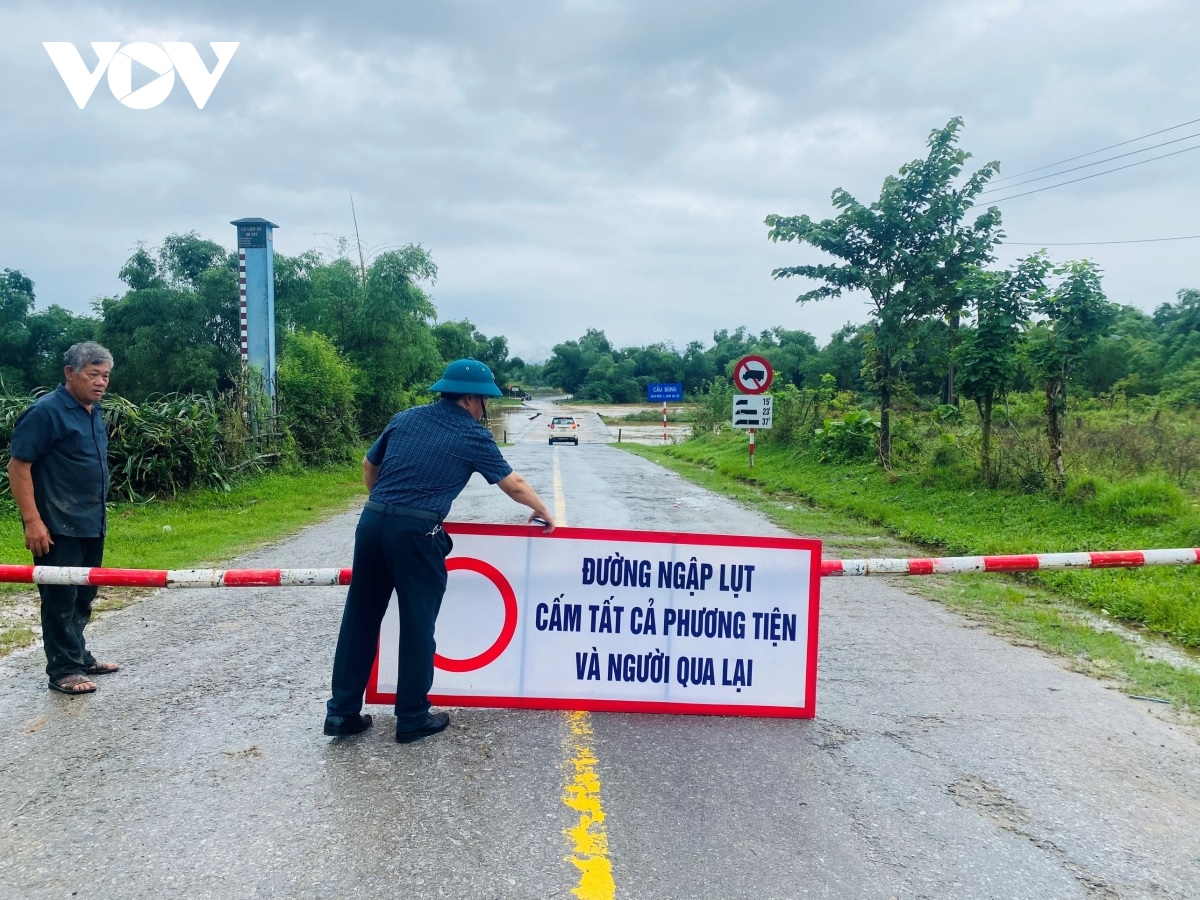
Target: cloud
pixel 592 162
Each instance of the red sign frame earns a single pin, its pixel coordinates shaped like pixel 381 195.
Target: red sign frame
pixel 766 386
pixel 806 711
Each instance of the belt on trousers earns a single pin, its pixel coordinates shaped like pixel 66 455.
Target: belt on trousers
pixel 408 512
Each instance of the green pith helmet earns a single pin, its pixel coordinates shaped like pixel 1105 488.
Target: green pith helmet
pixel 467 376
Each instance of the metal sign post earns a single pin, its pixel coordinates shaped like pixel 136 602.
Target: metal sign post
pixel 752 408
pixel 664 391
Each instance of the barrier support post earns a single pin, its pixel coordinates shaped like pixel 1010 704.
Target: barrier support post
pixel 752 448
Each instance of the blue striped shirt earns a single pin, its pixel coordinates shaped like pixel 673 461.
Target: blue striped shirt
pixel 427 454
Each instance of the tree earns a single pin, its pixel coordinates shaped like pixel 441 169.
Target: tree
pixel 1077 315
pixel 906 251
pixel 140 270
pixel 455 340
pixel 843 358
pixel 987 358
pixel 316 394
pixel 177 328
pixel 16 302
pixel 389 335
pixel 51 332
pixel 186 258
pixel 571 362
pixel 378 316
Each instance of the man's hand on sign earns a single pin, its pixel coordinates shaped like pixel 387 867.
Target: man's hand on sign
pixel 516 487
pixel 535 519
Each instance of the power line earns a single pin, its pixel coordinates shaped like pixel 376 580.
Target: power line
pixel 1182 237
pixel 1098 162
pixel 1094 175
pixel 1094 152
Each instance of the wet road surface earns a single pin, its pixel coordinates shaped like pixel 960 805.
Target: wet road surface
pixel 944 762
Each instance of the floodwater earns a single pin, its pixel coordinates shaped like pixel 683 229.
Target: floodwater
pixel 527 423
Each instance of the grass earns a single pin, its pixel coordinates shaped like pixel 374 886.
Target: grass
pixel 206 528
pixel 860 512
pixel 652 415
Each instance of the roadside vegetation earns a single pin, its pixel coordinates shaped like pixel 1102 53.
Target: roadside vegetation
pixel 1024 608
pixel 203 465
pixel 984 411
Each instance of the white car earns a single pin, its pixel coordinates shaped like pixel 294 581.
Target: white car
pixel 564 428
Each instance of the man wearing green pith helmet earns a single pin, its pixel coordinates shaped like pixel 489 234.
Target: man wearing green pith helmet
pixel 416 468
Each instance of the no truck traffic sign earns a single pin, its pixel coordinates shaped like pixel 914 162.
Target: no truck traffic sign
pixel 753 375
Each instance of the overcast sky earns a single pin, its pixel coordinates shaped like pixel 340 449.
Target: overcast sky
pixel 595 163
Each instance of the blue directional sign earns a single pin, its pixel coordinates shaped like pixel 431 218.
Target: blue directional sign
pixel 660 393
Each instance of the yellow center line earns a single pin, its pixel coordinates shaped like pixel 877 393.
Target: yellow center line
pixel 590 852
pixel 560 501
pixel 589 838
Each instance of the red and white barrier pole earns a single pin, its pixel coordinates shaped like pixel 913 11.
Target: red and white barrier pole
pixel 664 421
pixel 946 565
pixel 951 565
pixel 175 578
pixel 752 448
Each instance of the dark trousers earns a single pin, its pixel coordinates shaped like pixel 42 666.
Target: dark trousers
pixel 405 553
pixel 66 609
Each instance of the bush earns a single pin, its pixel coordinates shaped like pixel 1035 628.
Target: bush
pixel 1149 500
pixel 715 409
pixel 1083 491
pixel 163 446
pixel 853 437
pixel 316 398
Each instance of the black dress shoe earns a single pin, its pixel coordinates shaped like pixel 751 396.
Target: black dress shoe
pixel 341 726
pixel 434 723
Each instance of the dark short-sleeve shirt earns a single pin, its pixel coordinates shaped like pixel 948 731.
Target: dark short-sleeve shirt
pixel 427 454
pixel 69 451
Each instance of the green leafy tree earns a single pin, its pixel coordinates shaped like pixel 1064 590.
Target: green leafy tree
pixel 316 398
pixel 1076 315
pixel 571 362
pixel 16 302
pixel 378 316
pixel 988 360
pixel 906 251
pixel 843 358
pixel 390 338
pixel 177 327
pixel 455 340
pixel 186 258
pixel 51 332
pixel 141 270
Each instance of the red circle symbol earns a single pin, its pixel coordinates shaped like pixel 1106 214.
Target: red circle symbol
pixel 753 375
pixel 507 594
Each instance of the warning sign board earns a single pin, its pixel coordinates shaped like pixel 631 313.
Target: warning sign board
pixel 753 375
pixel 624 621
pixel 752 412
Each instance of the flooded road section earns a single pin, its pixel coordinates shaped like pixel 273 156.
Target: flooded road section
pixel 529 423
pixel 944 761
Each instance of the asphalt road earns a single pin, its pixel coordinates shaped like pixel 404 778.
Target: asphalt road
pixel 944 762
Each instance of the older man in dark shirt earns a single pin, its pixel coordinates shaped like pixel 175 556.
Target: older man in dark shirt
pixel 416 468
pixel 59 477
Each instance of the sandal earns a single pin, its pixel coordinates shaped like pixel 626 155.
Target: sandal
pixel 72 684
pixel 102 668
